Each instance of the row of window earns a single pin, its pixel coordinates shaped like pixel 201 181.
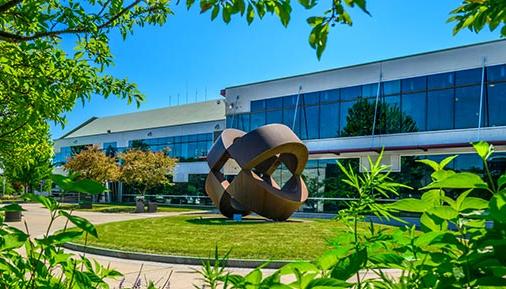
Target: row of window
pixel 175 139
pixel 435 102
pixel 182 147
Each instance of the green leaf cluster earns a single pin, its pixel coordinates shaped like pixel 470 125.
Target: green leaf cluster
pixel 44 264
pixel 40 80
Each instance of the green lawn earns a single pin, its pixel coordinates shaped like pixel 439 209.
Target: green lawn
pixel 194 235
pixel 123 208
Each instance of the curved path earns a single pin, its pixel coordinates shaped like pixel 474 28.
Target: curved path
pixel 183 276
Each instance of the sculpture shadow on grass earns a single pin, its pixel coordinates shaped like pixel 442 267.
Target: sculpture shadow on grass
pixel 220 221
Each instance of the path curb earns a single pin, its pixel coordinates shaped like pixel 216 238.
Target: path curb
pixel 234 263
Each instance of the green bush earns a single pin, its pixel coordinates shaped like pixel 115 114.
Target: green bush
pixel 44 263
pixel 461 243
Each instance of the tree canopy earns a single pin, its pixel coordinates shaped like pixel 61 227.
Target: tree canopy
pixel 40 80
pixel 92 163
pixel 145 169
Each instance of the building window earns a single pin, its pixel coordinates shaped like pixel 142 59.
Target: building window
pixel 441 81
pixel 312 98
pixel 290 101
pixel 496 73
pixel 329 95
pixel 497 104
pixel 309 122
pixel 413 112
pixel 110 144
pixel 257 105
pixel 467 104
pixel 241 121
pixel 329 120
pixel 275 116
pixel 351 93
pixel 370 90
pixel 389 115
pixel 414 84
pixel 257 119
pixel 468 77
pixel 345 109
pixel 288 116
pixel 440 113
pixel 391 87
pixel 274 103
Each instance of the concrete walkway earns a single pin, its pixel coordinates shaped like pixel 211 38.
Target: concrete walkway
pixel 183 276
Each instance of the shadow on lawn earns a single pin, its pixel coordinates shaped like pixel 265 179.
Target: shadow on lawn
pixel 222 221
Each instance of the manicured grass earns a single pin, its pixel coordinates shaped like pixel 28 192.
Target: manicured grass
pixel 123 208
pixel 195 235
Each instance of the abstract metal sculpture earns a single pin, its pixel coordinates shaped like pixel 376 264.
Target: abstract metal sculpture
pixel 258 154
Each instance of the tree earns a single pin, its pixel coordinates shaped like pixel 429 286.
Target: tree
pixel 40 80
pixel 92 163
pixel 29 160
pixel 140 145
pixel 144 170
pixel 30 172
pixel 389 119
pixel 475 15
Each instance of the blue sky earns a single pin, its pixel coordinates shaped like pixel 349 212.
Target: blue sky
pixel 192 56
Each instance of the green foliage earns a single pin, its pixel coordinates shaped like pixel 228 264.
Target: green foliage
pixel 29 165
pixel 40 80
pixel 212 271
pixel 475 15
pixel 460 245
pixel 72 183
pixel 44 264
pixel 8 189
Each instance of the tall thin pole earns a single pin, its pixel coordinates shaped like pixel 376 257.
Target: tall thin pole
pixel 484 61
pixel 296 108
pixel 378 93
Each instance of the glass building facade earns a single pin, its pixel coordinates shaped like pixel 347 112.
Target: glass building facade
pixel 443 101
pixel 183 147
